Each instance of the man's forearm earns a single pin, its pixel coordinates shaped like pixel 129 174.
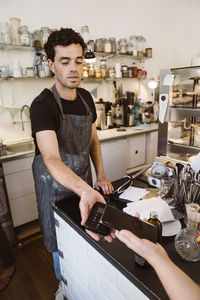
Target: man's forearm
pixel 65 176
pixel 96 156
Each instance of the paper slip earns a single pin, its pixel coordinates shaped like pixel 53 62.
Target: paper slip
pixel 134 193
pixel 144 207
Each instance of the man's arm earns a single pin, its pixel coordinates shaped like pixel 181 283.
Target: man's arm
pixel 96 156
pixel 48 146
pixel 176 283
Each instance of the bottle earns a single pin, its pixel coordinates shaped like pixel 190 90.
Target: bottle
pixel 187 241
pixel 154 221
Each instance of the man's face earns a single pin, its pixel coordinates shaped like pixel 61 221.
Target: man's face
pixel 68 65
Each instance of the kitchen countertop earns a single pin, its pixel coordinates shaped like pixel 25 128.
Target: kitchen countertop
pixel 21 149
pixel 122 258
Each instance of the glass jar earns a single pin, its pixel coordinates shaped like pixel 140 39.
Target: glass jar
pixel 99 45
pixel 45 31
pixel 113 45
pixel 4 34
pixel 140 46
pixel 98 73
pixel 91 71
pixel 37 38
pixel 125 71
pixel 107 46
pixel 90 45
pixel 85 33
pixel 132 48
pixel 111 72
pixel 148 52
pixel 24 36
pixel 187 241
pixel 103 68
pixel 14 31
pixel 85 70
pixel 122 46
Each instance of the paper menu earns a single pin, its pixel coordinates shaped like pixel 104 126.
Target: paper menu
pixel 144 207
pixel 133 193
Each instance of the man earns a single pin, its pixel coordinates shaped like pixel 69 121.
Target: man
pixel 64 131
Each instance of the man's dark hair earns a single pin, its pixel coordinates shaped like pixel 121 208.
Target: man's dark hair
pixel 62 37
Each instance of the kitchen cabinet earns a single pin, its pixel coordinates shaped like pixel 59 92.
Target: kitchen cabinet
pixel 20 189
pixel 136 151
pixel 114 158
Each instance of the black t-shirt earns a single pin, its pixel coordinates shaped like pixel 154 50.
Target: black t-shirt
pixel 45 112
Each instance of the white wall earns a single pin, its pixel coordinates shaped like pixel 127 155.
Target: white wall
pixel 171 28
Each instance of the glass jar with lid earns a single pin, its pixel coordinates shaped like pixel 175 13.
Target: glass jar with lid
pixel 122 46
pixel 90 45
pixel 45 31
pixel 85 33
pixel 107 46
pixel 131 47
pixel 113 44
pixel 4 34
pixel 103 68
pixel 125 71
pixel 25 37
pixel 37 38
pixel 99 45
pixel 140 46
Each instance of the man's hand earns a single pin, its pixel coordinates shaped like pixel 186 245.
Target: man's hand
pixel 88 198
pixel 105 185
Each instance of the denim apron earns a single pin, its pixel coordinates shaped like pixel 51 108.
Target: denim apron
pixel 74 137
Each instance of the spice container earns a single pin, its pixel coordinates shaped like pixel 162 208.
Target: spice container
pixel 85 70
pixel 125 71
pixel 24 36
pixel 103 68
pixel 91 71
pixel 111 72
pixel 134 72
pixel 98 73
pixel 148 52
pixel 118 73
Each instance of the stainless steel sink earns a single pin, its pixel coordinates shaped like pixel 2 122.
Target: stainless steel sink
pixel 20 147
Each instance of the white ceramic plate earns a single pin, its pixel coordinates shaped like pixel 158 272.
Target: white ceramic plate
pixel 171 228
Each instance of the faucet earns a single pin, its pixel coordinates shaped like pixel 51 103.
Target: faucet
pixel 21 111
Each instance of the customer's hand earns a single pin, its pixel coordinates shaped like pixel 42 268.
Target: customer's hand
pixel 150 251
pixel 105 185
pixel 88 199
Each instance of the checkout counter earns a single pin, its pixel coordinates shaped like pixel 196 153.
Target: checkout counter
pixel 106 271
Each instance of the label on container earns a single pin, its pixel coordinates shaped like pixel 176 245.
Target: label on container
pixel 197 239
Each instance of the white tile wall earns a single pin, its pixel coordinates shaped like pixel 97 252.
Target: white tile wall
pixel 89 275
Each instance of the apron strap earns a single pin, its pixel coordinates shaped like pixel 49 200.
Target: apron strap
pixel 57 97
